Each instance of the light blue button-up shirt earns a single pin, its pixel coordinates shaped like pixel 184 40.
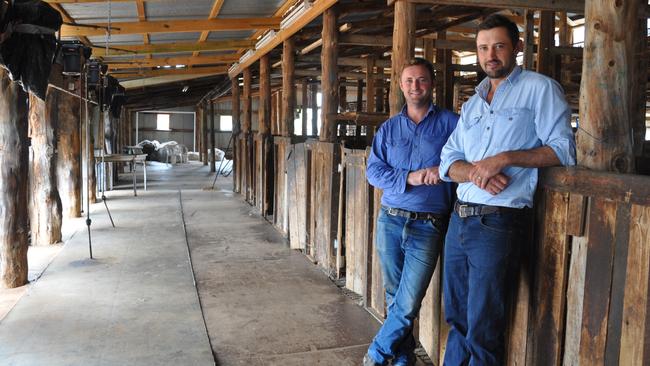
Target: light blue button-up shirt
pixel 528 110
pixel 401 146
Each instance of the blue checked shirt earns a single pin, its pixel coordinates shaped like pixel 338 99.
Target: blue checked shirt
pixel 528 110
pixel 401 146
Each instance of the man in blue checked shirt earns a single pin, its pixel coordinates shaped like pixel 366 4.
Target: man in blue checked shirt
pixel 415 209
pixel 516 122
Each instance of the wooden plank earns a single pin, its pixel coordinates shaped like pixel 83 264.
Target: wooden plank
pixel 575 298
pixel 545 42
pixel 626 188
pixel 378 295
pixel 551 280
pixel 576 218
pixel 329 76
pixel 598 281
pixel 403 50
pixel 634 346
pixel 172 61
pixel 615 316
pixel 370 85
pixel 529 38
pixel 429 317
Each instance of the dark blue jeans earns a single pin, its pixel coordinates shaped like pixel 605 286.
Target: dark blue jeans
pixel 480 253
pixel 408 251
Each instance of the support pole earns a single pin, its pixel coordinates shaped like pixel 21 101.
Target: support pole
pixel 304 101
pixel 236 128
pixel 445 79
pixel 288 87
pixel 45 208
pixel 69 149
pixel 604 139
pixel 204 137
pixel 313 102
pixel 546 42
pixel 370 84
pixel 213 166
pixel 329 76
pixel 529 38
pixel 14 165
pixel 403 50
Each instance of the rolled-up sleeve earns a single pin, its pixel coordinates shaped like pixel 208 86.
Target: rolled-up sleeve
pixel 452 151
pixel 380 174
pixel 553 123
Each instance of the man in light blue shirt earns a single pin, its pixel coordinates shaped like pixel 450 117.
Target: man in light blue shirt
pixel 516 122
pixel 415 208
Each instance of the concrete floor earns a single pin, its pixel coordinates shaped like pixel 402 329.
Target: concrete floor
pixel 135 303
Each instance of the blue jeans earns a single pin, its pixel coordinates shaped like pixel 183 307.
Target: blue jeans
pixel 408 251
pixel 480 253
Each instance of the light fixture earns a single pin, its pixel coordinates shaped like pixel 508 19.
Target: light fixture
pixel 185 89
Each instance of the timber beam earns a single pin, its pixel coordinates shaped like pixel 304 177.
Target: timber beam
pixel 225 45
pixel 166 26
pixel 575 6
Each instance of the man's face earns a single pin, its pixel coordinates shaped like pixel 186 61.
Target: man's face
pixel 496 53
pixel 416 84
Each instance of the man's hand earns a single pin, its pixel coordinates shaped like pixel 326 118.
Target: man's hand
pixel 483 170
pixel 432 177
pixel 496 184
pixel 428 176
pixel 416 178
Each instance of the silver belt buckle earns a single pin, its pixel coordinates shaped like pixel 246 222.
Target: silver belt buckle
pixel 391 211
pixel 461 211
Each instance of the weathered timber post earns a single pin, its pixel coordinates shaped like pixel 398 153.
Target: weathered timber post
pixel 213 165
pixel 236 128
pixel 546 42
pixel 638 95
pixel 604 139
pixel 359 95
pixel 14 165
pixel 403 50
pixel 379 94
pixel 204 137
pixel 303 106
pixel 45 206
pixel 264 157
pixel 370 84
pixel 92 174
pixel 343 95
pixel 288 87
pixel 247 122
pixel 445 80
pixel 329 76
pixel 313 102
pixel 529 39
pixel 69 149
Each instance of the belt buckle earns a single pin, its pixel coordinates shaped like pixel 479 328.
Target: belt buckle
pixel 391 211
pixel 461 211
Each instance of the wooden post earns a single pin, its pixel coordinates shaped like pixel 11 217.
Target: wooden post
pixel 638 95
pixel 204 138
pixel 92 175
pixel 236 128
pixel 247 112
pixel 370 84
pixel 403 50
pixel 288 87
pixel 359 95
pixel 445 79
pixel 213 159
pixel 343 96
pixel 304 101
pixel 604 139
pixel 529 38
pixel 329 77
pixel 265 96
pixel 14 164
pixel 379 94
pixel 69 148
pixel 313 102
pixel 546 42
pixel 45 208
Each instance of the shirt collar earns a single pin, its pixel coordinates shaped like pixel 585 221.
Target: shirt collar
pixel 484 86
pixel 432 110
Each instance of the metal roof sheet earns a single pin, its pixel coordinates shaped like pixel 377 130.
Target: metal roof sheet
pixel 99 12
pixel 172 9
pixel 249 8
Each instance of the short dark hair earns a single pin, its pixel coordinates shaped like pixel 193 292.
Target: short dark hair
pixel 498 20
pixel 419 61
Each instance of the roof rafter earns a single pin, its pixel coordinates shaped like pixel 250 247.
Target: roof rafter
pixel 224 45
pixel 164 26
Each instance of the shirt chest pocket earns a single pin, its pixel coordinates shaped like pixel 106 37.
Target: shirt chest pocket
pixel 514 128
pixel 398 151
pixel 431 148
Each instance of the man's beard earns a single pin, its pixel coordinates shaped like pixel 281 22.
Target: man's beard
pixel 500 72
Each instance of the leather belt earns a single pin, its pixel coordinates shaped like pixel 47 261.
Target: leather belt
pixel 469 209
pixel 413 215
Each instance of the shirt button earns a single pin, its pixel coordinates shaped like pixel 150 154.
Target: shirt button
pixel 488 128
pixel 491 112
